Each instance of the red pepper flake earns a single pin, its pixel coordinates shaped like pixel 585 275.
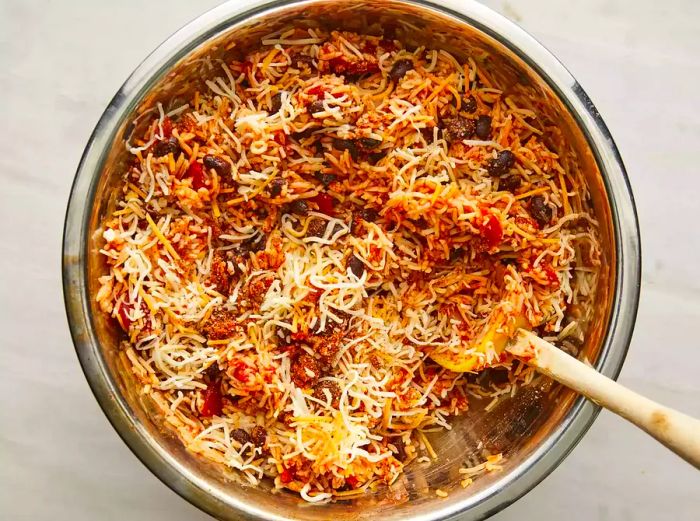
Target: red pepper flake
pixel 196 173
pixel 325 203
pixel 213 403
pixel 286 476
pixel 352 481
pixel 492 231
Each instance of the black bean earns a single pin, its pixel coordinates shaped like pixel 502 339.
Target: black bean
pixel 368 214
pixel 276 103
pixel 483 127
pixel 458 128
pixel 345 144
pixel 356 266
pixel 299 207
pixel 376 157
pixel 325 179
pixel 469 104
pixel 540 211
pixel 503 162
pixel 304 133
pixel 399 69
pixel 369 143
pixel 420 223
pixel 456 254
pixel 254 244
pixel 240 436
pixel 315 107
pixel 276 187
pixel 510 183
pixel 163 148
pixel 497 376
pixel 212 372
pixel 220 165
pixel 258 436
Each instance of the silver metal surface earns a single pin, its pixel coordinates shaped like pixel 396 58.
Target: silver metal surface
pixel 536 429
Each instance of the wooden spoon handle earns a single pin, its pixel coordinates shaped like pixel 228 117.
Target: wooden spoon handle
pixel 677 431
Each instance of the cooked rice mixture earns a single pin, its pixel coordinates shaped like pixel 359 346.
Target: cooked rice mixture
pixel 294 249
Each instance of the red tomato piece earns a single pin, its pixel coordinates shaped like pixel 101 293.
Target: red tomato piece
pixel 213 403
pixel 492 231
pixel 286 476
pixel 240 371
pixel 352 481
pixel 196 173
pixel 317 91
pixel 325 203
pixel 167 127
pixel 124 319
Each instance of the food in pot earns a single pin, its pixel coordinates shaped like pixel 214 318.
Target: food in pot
pixel 310 256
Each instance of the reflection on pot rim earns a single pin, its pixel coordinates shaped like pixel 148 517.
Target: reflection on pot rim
pixel 523 63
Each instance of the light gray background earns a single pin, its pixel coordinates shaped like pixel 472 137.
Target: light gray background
pixel 61 62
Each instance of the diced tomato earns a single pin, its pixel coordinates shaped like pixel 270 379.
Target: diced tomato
pixel 124 319
pixel 352 481
pixel 492 231
pixel 213 403
pixel 196 173
pixel 325 203
pixel 317 91
pixel 167 127
pixel 286 476
pixel 240 371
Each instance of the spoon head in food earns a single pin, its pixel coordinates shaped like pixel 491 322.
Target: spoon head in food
pixel 487 349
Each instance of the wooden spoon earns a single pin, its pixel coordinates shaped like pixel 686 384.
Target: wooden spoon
pixel 677 431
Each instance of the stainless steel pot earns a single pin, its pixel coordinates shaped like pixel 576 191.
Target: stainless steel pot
pixel 536 429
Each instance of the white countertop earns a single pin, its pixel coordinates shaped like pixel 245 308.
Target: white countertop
pixel 61 62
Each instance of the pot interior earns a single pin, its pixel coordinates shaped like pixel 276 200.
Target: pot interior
pixel 519 426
